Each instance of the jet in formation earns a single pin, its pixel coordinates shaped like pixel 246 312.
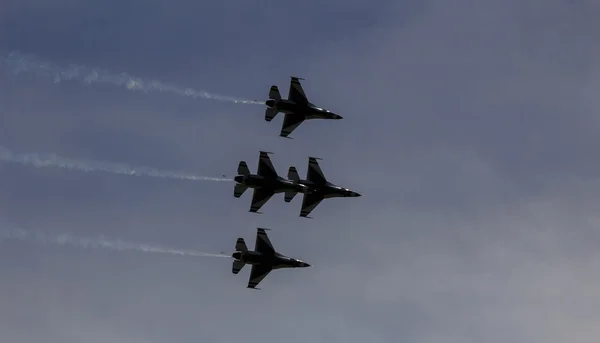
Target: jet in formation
pixel 320 187
pixel 266 183
pixel 296 107
pixel 263 259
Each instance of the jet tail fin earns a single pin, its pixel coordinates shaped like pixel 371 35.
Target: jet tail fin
pixel 240 249
pixel 274 93
pixel 293 174
pixel 243 168
pixel 274 98
pixel 240 245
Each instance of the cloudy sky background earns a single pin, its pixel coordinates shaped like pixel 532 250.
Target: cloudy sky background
pixel 471 129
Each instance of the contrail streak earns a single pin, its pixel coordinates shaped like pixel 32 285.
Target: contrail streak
pixel 18 62
pixel 98 242
pixel 51 160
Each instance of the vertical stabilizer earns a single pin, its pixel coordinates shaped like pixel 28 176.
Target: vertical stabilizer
pixel 243 168
pixel 293 174
pixel 240 245
pixel 274 93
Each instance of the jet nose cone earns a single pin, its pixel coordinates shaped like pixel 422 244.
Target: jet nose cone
pixel 355 195
pixel 337 116
pixel 305 264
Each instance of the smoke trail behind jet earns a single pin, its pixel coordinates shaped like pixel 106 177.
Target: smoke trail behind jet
pixel 51 160
pixel 18 62
pixel 98 242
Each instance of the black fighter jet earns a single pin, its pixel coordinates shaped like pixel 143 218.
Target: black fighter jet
pixel 263 259
pixel 265 183
pixel 296 107
pixel 320 187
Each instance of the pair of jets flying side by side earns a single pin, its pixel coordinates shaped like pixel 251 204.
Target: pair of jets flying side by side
pixel 266 183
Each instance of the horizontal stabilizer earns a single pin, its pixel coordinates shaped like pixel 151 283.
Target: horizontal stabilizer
pixel 243 168
pixel 270 113
pixel 239 189
pixel 237 266
pixel 289 195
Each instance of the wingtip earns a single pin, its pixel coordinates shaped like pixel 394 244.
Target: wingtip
pixel 315 158
pixel 297 78
pixel 263 228
pixel 267 152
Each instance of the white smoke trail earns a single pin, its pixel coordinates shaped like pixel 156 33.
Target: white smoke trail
pixel 98 242
pixel 51 160
pixel 18 62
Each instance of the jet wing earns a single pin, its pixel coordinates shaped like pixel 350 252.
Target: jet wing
pixel 265 166
pixel 290 123
pixel 260 197
pixel 309 203
pixel 263 243
pixel 314 173
pixel 296 93
pixel 257 274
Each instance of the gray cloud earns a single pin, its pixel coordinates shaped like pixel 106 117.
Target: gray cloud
pixel 470 128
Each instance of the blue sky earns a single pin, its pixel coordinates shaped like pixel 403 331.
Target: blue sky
pixel 470 128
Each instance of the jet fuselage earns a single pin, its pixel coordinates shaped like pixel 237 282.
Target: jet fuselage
pixel 276 261
pixel 329 190
pixel 278 185
pixel 308 111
